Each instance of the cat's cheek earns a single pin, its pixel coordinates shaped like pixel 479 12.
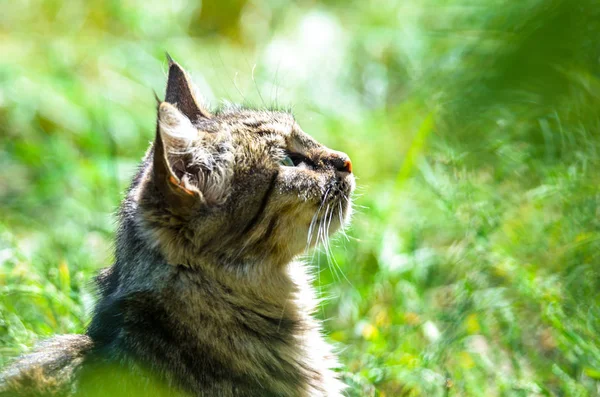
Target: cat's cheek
pixel 300 185
pixel 350 181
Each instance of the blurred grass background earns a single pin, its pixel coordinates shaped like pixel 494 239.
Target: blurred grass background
pixel 472 264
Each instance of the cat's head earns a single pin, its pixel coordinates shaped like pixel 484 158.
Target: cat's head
pixel 237 186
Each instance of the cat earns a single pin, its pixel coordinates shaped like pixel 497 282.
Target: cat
pixel 205 296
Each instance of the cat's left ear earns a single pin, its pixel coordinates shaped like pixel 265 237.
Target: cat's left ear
pixel 174 133
pixel 181 92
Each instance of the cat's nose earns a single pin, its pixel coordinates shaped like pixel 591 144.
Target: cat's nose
pixel 341 162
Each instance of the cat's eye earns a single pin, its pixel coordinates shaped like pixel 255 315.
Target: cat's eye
pixel 287 161
pixel 296 160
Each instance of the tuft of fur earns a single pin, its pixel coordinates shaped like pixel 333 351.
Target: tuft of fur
pixel 48 370
pixel 205 297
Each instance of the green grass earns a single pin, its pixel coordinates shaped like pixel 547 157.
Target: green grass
pixel 472 266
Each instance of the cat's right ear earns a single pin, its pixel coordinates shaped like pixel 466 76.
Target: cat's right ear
pixel 174 133
pixel 181 92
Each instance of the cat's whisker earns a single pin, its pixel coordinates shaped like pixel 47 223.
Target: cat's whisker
pixel 344 227
pixel 256 85
pixel 330 257
pixel 315 217
pixel 318 235
pixel 236 86
pixel 276 85
pixel 311 227
pixel 333 260
pixel 223 67
pixel 360 206
pixel 353 203
pixel 342 224
pixel 316 221
pixel 326 240
pixel 319 288
pixel 313 221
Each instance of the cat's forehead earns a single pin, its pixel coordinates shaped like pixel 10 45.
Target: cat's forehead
pixel 272 124
pixel 264 121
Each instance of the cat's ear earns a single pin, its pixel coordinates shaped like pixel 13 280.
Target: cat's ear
pixel 181 93
pixel 174 135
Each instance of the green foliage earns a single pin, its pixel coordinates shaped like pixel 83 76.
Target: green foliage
pixel 471 267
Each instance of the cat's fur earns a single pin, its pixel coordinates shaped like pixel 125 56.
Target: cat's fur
pixel 205 297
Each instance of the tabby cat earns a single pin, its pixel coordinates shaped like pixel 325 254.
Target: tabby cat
pixel 205 297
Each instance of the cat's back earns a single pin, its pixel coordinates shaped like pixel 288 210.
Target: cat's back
pixel 49 369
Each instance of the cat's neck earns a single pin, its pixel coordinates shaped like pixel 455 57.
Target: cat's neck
pixel 270 289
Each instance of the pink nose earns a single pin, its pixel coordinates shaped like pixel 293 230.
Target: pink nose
pixel 342 162
pixel 347 166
